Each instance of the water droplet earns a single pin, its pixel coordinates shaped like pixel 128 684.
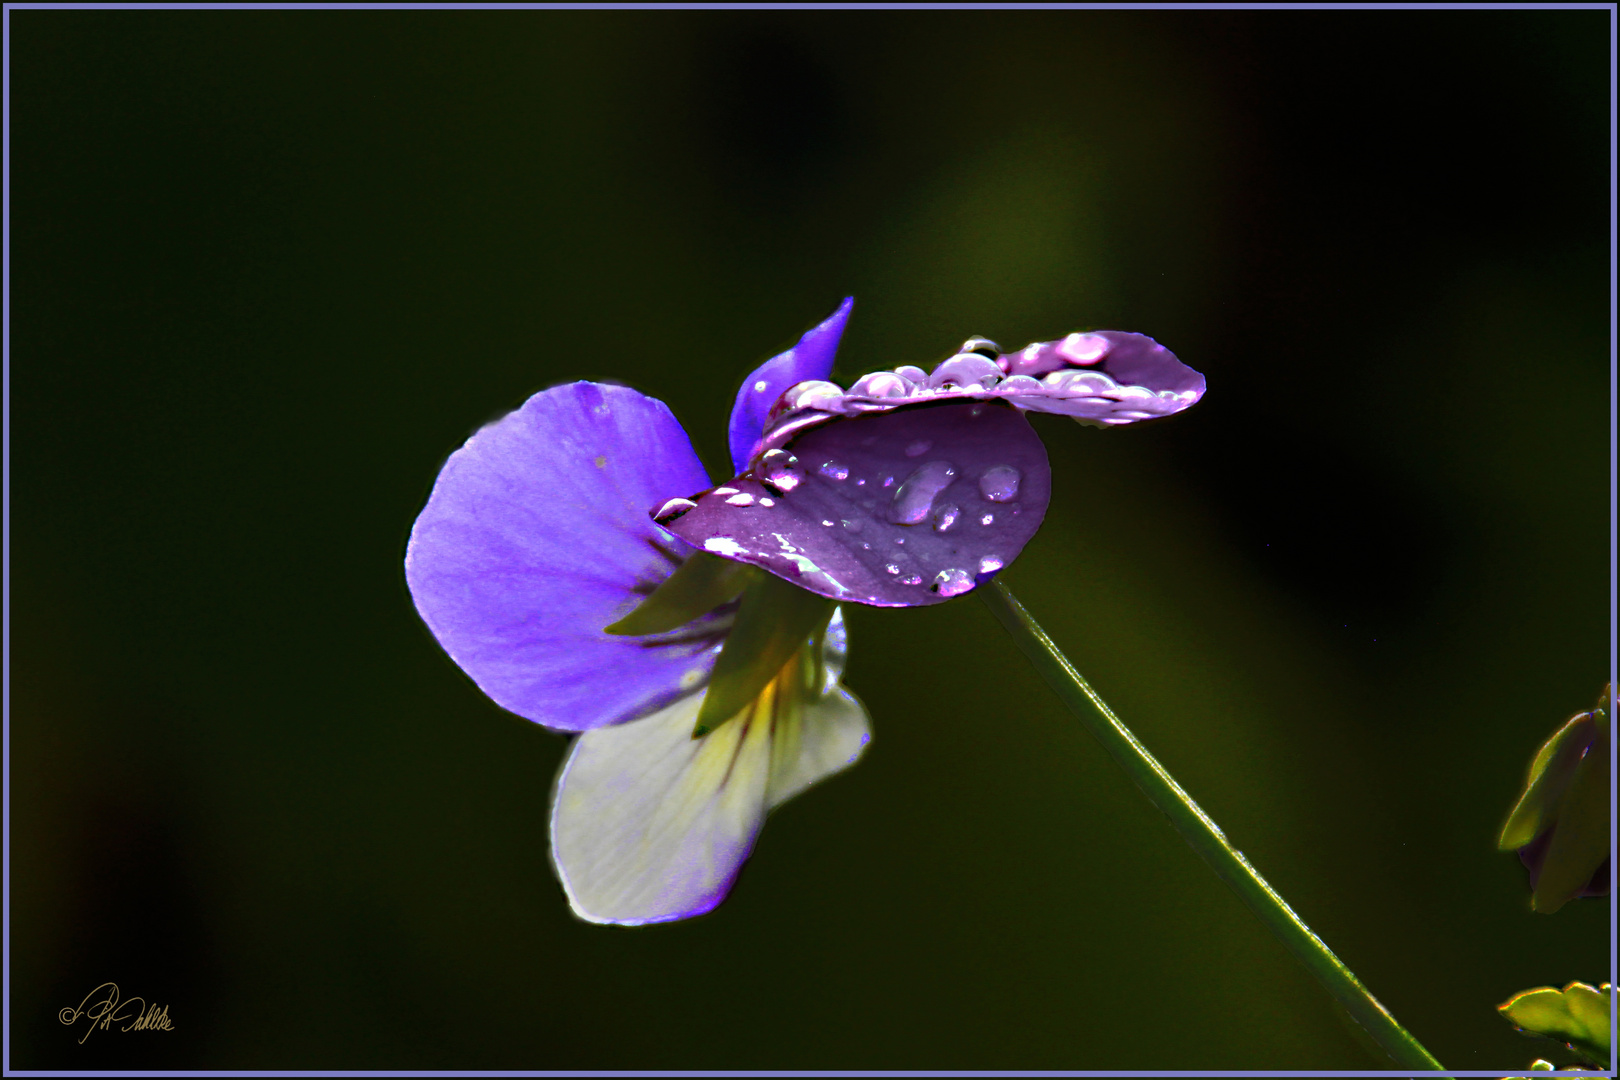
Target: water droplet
pixel 889 567
pixel 725 491
pixel 945 517
pixel 989 564
pixel 1000 484
pixel 827 523
pixel 853 525
pixel 899 539
pixel 952 582
pixel 914 499
pixel 888 481
pixel 911 579
pixel 919 448
pixel 865 546
pixel 742 498
pixel 987 519
pixel 767 501
pixel 860 482
pixel 834 471
pixel 776 470
pixel 673 509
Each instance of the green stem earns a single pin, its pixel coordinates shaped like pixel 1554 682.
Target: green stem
pixel 1202 834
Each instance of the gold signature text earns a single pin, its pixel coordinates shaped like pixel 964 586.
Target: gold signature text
pixel 104 1009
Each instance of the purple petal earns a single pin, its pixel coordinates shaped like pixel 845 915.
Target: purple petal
pixel 811 358
pixel 898 509
pixel 1105 378
pixel 536 536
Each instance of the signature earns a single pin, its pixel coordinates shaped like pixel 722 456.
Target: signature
pixel 103 1007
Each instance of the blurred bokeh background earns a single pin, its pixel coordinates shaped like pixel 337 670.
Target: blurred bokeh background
pixel 270 268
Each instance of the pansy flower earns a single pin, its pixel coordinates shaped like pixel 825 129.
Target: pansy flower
pixel 565 563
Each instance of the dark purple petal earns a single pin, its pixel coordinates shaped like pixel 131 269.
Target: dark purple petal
pixel 1105 378
pixel 536 536
pixel 898 509
pixel 811 358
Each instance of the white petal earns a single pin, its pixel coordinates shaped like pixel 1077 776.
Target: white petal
pixel 649 824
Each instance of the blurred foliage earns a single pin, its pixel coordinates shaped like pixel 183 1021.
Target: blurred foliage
pixel 268 268
pixel 1577 1016
pixel 1561 821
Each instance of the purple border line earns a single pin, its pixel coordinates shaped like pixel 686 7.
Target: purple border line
pixel 5 493
pixel 5 512
pixel 1495 1073
pixel 1613 981
pixel 973 5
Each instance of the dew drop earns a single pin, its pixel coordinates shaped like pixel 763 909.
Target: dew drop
pixel 888 481
pixel 725 491
pixel 945 517
pixel 919 448
pixel 914 499
pixel 989 564
pixel 865 546
pixel 911 579
pixel 952 582
pixel 671 510
pixel 742 498
pixel 776 470
pixel 1000 484
pixel 860 482
pixel 852 524
pixel 889 567
pixel 766 501
pixel 827 523
pixel 899 539
pixel 987 519
pixel 834 471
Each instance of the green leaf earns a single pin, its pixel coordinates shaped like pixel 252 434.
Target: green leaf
pixel 1550 774
pixel 1580 842
pixel 1577 1015
pixel 776 619
pixel 699 585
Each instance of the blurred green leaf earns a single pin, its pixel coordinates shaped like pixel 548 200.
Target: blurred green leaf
pixel 775 619
pixel 1550 774
pixel 1577 1016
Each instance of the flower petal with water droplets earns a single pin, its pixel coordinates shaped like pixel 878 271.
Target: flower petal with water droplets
pixel 934 517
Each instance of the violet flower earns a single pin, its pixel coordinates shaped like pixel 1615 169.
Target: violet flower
pixel 538 567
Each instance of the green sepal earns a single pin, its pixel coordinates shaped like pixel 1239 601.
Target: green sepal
pixel 1580 842
pixel 1550 775
pixel 774 621
pixel 699 585
pixel 1577 1016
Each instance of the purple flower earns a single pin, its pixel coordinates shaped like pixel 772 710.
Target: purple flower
pixel 546 560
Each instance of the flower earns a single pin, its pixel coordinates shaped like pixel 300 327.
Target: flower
pixel 560 566
pixel 1560 825
pixel 536 537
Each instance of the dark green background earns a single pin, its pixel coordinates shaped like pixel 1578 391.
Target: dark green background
pixel 270 268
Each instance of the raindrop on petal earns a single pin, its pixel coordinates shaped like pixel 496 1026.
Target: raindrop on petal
pixel 945 517
pixel 777 470
pixel 889 567
pixel 911 579
pixel 989 564
pixel 987 519
pixel 742 498
pixel 952 582
pixel 834 471
pixel 1000 484
pixel 671 510
pixel 914 500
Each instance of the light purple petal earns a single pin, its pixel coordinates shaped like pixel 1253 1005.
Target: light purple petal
pixel 536 536
pixel 649 824
pixel 811 358
pixel 897 509
pixel 1104 378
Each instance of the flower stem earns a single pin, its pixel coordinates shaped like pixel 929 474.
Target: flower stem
pixel 1204 836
